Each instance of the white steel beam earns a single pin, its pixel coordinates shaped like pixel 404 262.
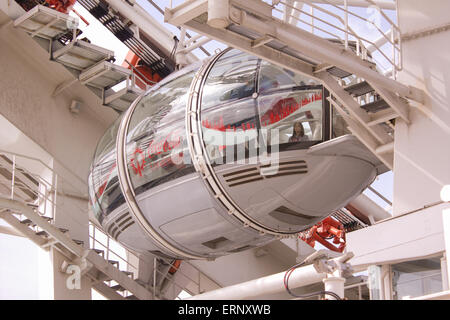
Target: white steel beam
pixel 145 22
pixel 382 116
pixel 43 224
pixel 293 19
pixel 10 231
pixel 185 12
pixel 22 229
pixel 247 45
pixel 287 14
pixel 107 292
pixel 194 45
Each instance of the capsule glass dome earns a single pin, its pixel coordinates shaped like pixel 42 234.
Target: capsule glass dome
pixel 222 156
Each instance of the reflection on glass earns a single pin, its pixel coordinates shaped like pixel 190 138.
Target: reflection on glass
pixel 103 181
pixel 232 78
pixel 230 131
pixel 273 77
pixel 339 125
pixel 156 141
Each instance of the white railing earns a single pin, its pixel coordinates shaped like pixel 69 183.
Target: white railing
pixel 327 19
pixel 36 184
pixel 26 186
pixel 100 240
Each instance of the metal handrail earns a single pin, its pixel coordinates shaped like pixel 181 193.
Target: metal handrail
pixel 136 256
pixel 395 61
pixel 45 165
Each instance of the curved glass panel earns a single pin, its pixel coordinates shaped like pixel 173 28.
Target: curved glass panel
pixel 104 188
pixel 274 78
pixel 156 146
pixel 232 77
pixel 236 124
pixel 228 111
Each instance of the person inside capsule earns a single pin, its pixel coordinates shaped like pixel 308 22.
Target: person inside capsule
pixel 298 133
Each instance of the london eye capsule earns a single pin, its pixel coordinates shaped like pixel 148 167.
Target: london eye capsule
pixel 222 156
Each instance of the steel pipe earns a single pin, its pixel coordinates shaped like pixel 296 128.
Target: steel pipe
pixel 267 285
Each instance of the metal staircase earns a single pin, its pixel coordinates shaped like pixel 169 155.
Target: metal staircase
pixel 317 41
pixel 92 65
pixel 28 203
pixel 42 232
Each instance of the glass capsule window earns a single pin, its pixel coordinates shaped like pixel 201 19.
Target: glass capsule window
pixel 248 104
pixel 340 127
pixel 104 188
pixel 295 115
pixel 229 116
pixel 230 131
pixel 274 78
pixel 231 78
pixel 156 146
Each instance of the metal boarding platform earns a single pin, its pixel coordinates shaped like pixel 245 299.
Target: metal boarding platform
pixel 91 65
pixel 123 98
pixel 45 22
pixel 104 75
pixel 80 55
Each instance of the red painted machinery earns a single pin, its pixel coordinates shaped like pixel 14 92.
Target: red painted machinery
pixel 63 6
pixel 145 75
pixel 323 232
